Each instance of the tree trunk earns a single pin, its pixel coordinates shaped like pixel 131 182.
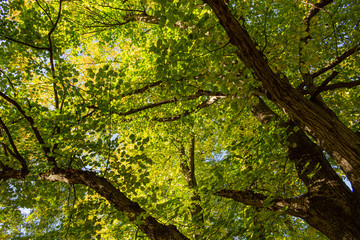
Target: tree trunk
pixel 333 135
pixel 329 205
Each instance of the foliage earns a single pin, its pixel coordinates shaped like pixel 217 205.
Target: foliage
pixel 142 93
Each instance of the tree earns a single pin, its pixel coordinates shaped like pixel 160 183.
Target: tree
pixel 179 119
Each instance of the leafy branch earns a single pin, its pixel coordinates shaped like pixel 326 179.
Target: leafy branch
pixel 204 104
pixel 51 53
pixel 146 223
pixel 187 165
pixel 24 43
pixel 308 79
pixel 314 118
pixel 46 12
pixel 337 61
pixel 35 130
pixel 214 96
pixel 15 152
pixel 9 81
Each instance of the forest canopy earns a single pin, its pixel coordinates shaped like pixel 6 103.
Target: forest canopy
pixel 153 119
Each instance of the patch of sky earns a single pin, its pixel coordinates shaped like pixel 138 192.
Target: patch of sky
pixel 217 157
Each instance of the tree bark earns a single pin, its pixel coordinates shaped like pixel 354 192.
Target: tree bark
pixel 332 135
pixel 321 211
pixel 329 205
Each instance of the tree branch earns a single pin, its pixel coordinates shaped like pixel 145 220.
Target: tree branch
pixel 173 100
pixel 341 85
pixel 333 135
pixel 187 165
pixel 292 206
pixel 17 154
pixel 9 81
pixel 149 225
pixel 57 19
pixel 120 9
pixel 142 18
pixel 141 90
pixel 308 80
pixel 47 14
pixel 204 104
pixel 10 173
pixel 51 53
pixel 337 61
pixel 24 43
pixel 30 120
pixel 311 165
pixel 314 10
pixel 214 96
pixel 323 85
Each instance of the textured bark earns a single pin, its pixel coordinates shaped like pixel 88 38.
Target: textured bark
pixel 149 225
pixel 332 135
pixel 295 206
pixel 336 215
pixel 311 164
pixel 9 173
pixel 321 211
pixel 329 205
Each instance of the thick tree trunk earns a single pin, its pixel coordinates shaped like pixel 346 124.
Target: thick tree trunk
pixel 328 206
pixel 333 135
pixel 334 215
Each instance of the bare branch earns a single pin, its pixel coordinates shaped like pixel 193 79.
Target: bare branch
pixel 292 206
pixel 337 61
pixel 341 85
pixel 323 84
